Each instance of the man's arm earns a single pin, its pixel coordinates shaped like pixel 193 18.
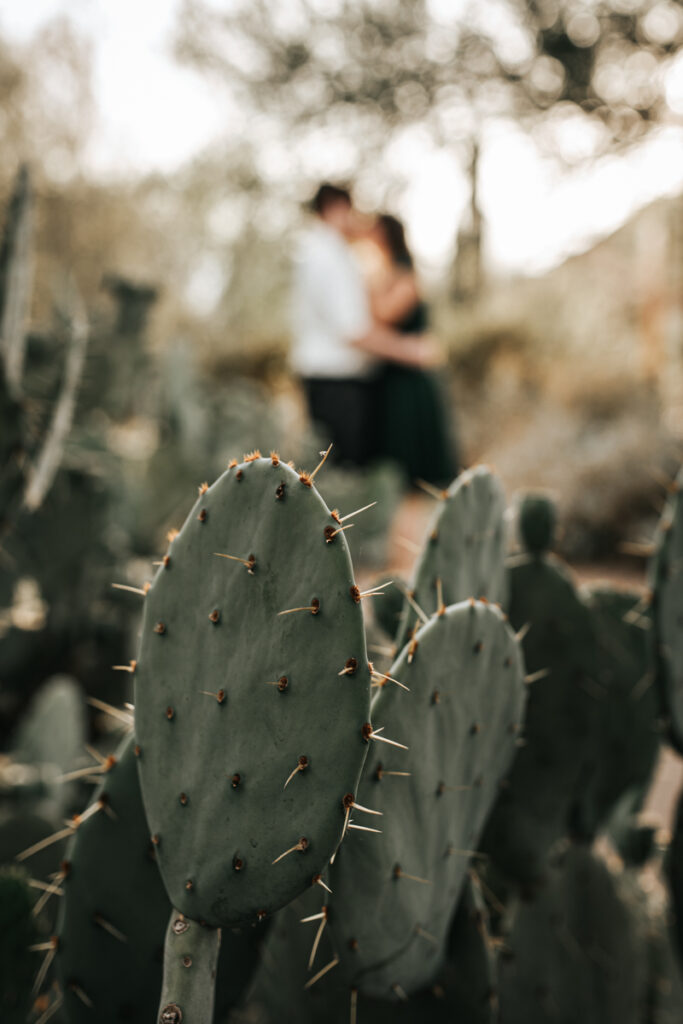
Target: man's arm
pixel 419 350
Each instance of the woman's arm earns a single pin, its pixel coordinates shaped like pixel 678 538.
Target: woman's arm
pixel 418 350
pixel 395 301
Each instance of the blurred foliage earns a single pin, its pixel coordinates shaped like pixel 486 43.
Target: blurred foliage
pixel 371 67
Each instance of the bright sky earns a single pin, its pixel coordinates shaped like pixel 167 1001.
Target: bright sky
pixel 153 114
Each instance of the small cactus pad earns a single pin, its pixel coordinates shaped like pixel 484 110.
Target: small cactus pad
pixel 537 521
pixel 115 910
pixel 464 990
pixel 252 691
pixel 628 738
pixel 574 952
pixel 534 807
pixel 666 582
pixel 18 932
pixel 394 893
pixel 464 553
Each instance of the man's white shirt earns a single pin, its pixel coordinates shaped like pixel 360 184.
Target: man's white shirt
pixel 330 307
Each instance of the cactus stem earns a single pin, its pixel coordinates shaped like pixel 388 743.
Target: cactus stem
pixel 399 873
pixel 301 846
pixel 126 668
pixel 322 972
pixel 313 608
pixel 357 513
pixel 301 766
pixel 382 678
pixel 534 677
pixel 320 465
pixel 250 562
pixel 110 928
pixel 121 716
pixel 430 489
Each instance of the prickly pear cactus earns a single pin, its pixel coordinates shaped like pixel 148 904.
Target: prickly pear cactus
pixel 537 522
pixel 536 804
pixel 18 933
pixel 252 696
pixel 464 990
pixel 431 777
pixel 574 952
pixel 114 910
pixel 665 577
pixel 673 865
pixel 465 550
pixel 628 711
pixel 114 913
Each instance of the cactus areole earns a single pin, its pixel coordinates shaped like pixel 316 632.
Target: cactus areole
pixel 252 692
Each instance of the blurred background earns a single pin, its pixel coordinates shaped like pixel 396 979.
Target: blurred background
pixel 154 164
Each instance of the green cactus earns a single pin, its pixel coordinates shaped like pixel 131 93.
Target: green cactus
pixel 536 805
pixel 465 550
pixel 115 910
pixel 574 951
pixel 393 894
pixel 252 695
pixel 18 933
pixel 537 522
pixel 628 726
pixel 665 577
pixel 463 990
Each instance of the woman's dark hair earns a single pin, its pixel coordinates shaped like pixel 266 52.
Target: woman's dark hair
pixel 327 194
pixel 395 235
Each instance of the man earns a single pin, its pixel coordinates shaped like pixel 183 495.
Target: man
pixel 336 344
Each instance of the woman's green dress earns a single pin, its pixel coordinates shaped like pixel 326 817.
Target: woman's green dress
pixel 413 428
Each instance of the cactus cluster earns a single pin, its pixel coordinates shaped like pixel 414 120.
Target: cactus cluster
pixel 289 831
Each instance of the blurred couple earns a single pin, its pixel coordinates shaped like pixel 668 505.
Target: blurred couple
pixel 361 345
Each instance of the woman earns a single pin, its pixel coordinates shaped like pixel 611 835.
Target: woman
pixel 412 425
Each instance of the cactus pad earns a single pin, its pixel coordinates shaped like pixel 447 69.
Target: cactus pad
pixel 537 520
pixel 394 894
pixel 536 804
pixel 465 548
pixel 252 691
pixel 666 583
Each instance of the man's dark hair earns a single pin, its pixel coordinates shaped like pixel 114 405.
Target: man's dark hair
pixel 327 194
